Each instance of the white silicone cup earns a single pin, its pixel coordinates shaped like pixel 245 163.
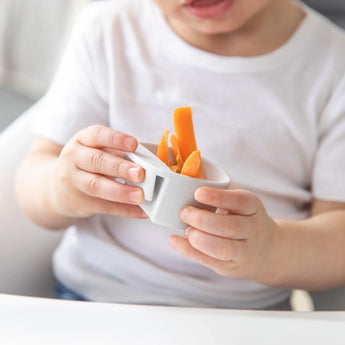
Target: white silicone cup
pixel 166 192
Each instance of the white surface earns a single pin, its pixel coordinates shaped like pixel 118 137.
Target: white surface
pixel 37 321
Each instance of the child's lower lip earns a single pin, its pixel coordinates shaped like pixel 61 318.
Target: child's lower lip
pixel 208 9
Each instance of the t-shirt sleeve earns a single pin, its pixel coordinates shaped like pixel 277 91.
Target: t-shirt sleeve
pixel 76 98
pixel 329 169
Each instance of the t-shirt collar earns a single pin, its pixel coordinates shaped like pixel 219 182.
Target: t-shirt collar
pixel 178 49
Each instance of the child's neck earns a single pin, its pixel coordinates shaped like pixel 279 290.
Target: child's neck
pixel 261 35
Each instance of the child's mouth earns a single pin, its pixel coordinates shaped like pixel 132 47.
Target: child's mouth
pixel 207 9
pixel 203 3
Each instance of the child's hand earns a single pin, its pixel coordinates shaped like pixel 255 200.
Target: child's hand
pixel 85 170
pixel 235 241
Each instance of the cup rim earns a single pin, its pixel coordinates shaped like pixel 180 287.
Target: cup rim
pixel 165 170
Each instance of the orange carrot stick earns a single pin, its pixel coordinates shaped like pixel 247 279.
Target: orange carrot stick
pixel 192 164
pixel 184 130
pixel 162 151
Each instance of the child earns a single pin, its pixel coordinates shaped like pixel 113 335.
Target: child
pixel 266 83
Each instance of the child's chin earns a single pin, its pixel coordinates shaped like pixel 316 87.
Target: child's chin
pixel 215 27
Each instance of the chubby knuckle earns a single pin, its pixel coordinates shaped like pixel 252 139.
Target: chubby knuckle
pixel 93 185
pixel 111 137
pixel 96 130
pixel 119 166
pixel 115 139
pixel 97 160
pixel 93 131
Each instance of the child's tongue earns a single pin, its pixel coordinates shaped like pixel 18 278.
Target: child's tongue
pixel 205 3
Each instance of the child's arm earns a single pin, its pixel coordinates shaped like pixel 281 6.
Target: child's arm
pixel 57 186
pixel 241 240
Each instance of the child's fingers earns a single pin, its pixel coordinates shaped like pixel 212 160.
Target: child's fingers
pixel 237 201
pixel 103 188
pixel 98 136
pixel 222 225
pixel 183 246
pixel 115 208
pixel 100 162
pixel 214 246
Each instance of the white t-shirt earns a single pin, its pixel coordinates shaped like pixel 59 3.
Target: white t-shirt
pixel 275 122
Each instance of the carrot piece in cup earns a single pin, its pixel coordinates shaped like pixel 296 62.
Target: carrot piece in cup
pixel 177 154
pixel 175 168
pixel 183 145
pixel 162 151
pixel 192 164
pixel 200 173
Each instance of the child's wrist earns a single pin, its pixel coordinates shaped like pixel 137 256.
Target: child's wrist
pixel 271 270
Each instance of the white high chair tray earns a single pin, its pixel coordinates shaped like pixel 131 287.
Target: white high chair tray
pixel 27 320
